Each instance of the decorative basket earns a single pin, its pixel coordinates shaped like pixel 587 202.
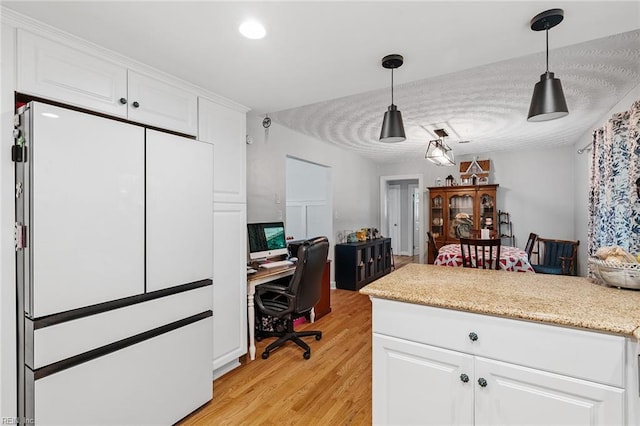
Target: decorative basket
pixel 625 275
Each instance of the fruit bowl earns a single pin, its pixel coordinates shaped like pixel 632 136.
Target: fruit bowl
pixel 614 274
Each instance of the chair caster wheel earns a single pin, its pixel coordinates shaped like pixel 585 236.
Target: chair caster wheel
pixel 318 336
pixel 306 355
pixel 265 355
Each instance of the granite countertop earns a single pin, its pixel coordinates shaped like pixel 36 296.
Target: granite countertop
pixel 552 299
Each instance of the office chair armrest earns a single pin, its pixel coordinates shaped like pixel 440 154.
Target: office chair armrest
pixel 279 291
pixel 277 288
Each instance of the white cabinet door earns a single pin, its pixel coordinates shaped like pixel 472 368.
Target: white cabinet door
pixel 179 210
pixel 162 104
pixel 229 283
pixel 515 395
pixel 88 209
pixel 419 384
pixel 51 70
pixel 226 129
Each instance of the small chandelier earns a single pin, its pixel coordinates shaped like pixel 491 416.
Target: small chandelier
pixel 438 152
pixel 547 102
pixel 392 127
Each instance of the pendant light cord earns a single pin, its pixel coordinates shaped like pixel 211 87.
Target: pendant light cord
pixel 547 32
pixel 391 86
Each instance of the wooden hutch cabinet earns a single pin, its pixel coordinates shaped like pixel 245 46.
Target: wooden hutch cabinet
pixel 455 210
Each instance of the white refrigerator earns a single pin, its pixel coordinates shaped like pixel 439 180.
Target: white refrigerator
pixel 114 242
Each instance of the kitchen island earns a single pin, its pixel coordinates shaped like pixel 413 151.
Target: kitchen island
pixel 466 346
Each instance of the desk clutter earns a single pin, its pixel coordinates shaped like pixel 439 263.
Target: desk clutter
pixel 363 234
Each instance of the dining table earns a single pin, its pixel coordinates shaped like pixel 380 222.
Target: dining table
pixel 511 258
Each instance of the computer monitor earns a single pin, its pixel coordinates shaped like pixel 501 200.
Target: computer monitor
pixel 266 240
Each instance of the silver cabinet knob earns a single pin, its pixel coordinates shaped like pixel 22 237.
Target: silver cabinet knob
pixel 135 104
pixel 473 336
pixel 123 101
pixel 464 378
pixel 482 382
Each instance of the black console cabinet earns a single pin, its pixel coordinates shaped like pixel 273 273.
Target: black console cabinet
pixel 357 264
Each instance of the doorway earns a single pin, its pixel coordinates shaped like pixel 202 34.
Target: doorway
pixel 401 213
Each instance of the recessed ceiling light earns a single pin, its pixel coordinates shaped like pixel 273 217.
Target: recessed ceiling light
pixel 252 29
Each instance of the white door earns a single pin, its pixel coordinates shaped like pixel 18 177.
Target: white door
pixel 229 283
pixel 88 209
pixel 414 219
pixel 395 218
pixel 308 200
pixel 417 384
pixel 515 395
pixel 179 210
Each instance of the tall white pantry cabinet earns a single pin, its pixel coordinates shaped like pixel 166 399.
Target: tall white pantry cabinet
pixel 226 129
pixel 41 62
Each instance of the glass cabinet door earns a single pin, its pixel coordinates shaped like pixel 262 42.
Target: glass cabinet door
pixel 460 215
pixel 437 216
pixel 487 211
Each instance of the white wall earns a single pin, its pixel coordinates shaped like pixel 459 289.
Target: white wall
pixel 8 397
pixel 355 179
pixel 582 175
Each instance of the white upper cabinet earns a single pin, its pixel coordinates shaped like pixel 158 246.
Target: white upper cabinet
pixel 226 129
pixel 161 104
pixel 51 70
pixel 59 72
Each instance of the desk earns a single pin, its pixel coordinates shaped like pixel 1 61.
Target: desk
pixel 267 275
pixel 511 258
pixel 262 276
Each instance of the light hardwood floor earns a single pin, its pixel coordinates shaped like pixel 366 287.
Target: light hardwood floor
pixel 332 387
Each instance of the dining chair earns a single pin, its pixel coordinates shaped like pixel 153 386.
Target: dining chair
pixel 480 253
pixel 528 248
pixel 433 248
pixel 558 257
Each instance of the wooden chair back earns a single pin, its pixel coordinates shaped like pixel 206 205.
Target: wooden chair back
pixel 433 248
pixel 528 248
pixel 480 253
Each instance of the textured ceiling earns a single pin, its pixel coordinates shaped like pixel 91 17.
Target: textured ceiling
pixel 486 106
pixel 470 66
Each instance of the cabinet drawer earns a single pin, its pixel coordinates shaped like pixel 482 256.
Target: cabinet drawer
pixel 582 354
pixel 64 340
pixel 157 381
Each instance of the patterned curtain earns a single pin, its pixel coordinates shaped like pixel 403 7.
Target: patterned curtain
pixel 614 200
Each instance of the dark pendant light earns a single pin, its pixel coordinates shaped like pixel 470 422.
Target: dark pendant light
pixel 392 127
pixel 548 101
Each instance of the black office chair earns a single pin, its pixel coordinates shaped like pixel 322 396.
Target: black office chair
pixel 480 253
pixel 298 298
